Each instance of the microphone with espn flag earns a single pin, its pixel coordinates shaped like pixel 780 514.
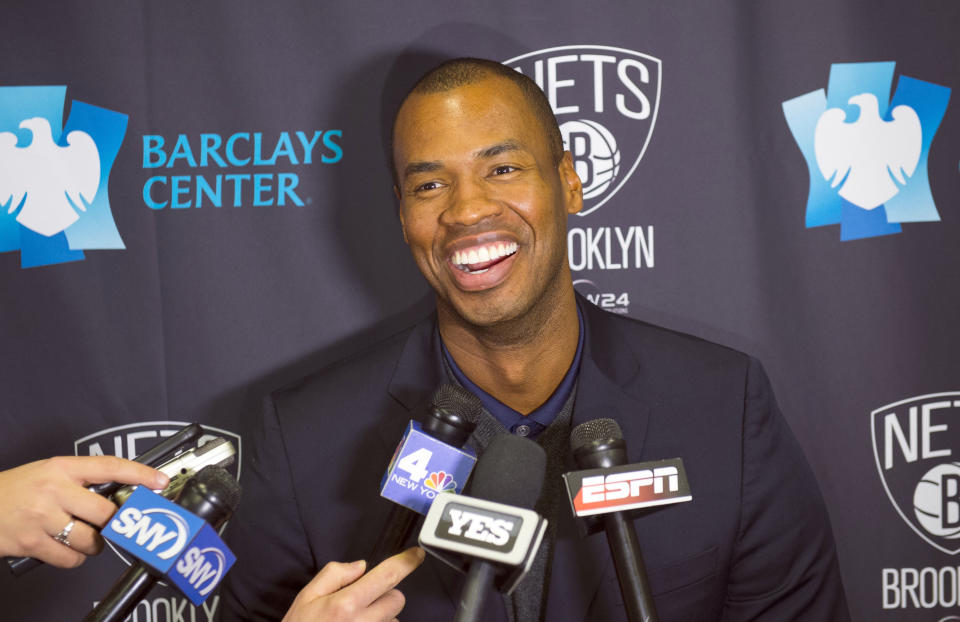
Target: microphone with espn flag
pixel 492 535
pixel 608 492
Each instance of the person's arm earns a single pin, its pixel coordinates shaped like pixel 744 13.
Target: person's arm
pixel 342 592
pixel 784 564
pixel 40 499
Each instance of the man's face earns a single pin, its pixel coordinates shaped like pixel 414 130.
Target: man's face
pixel 483 203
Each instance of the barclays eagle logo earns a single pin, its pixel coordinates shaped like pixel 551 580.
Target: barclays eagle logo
pixel 867 153
pixel 53 182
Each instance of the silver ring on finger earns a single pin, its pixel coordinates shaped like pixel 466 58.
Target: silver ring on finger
pixel 64 536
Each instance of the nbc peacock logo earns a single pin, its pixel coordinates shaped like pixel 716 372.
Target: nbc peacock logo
pixel 440 481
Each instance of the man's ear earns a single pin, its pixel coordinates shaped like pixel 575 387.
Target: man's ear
pixel 403 224
pixel 572 187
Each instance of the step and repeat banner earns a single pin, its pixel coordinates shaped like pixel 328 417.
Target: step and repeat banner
pixel 195 208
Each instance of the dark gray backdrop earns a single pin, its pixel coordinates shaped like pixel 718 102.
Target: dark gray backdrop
pixel 208 308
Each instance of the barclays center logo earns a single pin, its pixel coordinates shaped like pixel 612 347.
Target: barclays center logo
pixel 913 445
pixel 606 101
pixel 54 202
pixel 867 152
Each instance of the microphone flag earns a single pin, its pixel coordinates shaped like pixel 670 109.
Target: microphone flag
pixel 173 542
pixel 422 467
pixel 476 529
pixel 627 487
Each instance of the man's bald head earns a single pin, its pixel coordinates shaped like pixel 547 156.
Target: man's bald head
pixel 459 72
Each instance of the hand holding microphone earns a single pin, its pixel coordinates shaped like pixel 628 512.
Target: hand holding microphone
pixel 45 505
pixel 41 493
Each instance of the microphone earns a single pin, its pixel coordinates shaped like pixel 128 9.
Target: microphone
pixel 492 534
pixel 608 488
pixel 217 452
pixel 429 459
pixel 179 468
pixel 173 541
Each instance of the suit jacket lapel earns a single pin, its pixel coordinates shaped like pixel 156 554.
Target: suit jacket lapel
pixel 416 376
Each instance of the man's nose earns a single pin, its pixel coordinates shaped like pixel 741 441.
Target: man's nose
pixel 470 203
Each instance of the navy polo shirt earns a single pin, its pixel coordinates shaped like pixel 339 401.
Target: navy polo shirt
pixel 537 421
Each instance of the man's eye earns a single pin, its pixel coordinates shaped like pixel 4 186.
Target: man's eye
pixel 503 169
pixel 426 187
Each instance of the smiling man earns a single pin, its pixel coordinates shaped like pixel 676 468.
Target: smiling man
pixel 485 190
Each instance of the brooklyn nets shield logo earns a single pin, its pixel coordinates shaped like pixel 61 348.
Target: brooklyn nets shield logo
pixel 914 443
pixel 605 100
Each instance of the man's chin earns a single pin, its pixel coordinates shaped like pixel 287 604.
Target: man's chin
pixel 485 311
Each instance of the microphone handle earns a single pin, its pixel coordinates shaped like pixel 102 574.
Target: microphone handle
pixel 475 591
pixel 401 523
pixel 132 586
pixel 21 565
pixel 631 572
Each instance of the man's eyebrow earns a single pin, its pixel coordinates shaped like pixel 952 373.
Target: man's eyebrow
pixel 420 167
pixel 495 150
pixel 483 154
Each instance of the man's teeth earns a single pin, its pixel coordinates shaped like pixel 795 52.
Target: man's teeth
pixel 490 252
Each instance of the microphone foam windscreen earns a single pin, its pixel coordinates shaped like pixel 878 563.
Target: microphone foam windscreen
pixel 596 430
pixel 455 399
pixel 220 482
pixel 510 470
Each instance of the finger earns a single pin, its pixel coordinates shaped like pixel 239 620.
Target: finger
pixel 331 578
pixel 59 555
pixel 385 608
pixel 84 539
pixel 42 546
pixel 386 575
pixel 88 470
pixel 86 505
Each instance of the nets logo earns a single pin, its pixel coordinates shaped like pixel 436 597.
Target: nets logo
pixel 53 178
pixel 605 100
pixel 913 443
pixel 867 153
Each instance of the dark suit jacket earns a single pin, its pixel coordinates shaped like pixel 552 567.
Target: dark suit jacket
pixel 754 544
